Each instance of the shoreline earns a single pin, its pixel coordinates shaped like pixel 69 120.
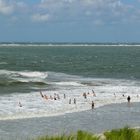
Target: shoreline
pixel 64 113
pixel 96 121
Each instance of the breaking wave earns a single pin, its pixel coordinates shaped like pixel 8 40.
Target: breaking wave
pixel 33 105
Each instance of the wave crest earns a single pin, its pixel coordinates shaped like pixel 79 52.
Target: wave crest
pixel 14 78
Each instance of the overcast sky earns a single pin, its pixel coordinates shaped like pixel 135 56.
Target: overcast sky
pixel 70 20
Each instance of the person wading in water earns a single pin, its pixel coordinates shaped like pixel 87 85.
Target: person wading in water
pixel 92 105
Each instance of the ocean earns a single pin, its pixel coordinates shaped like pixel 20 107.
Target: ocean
pixel 110 70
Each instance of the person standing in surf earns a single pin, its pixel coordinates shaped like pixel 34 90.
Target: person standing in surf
pixel 92 105
pixel 74 101
pixel 128 99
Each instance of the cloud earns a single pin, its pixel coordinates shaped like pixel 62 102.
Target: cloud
pixel 52 6
pixel 108 11
pixel 105 9
pixel 59 10
pixel 21 5
pixel 40 17
pixel 6 8
pixel 94 11
pixel 9 7
pixel 58 5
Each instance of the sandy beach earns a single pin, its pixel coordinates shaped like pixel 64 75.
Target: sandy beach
pixel 96 121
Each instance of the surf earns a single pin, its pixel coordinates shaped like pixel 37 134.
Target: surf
pixel 33 105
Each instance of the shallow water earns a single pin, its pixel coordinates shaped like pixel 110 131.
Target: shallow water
pixel 95 121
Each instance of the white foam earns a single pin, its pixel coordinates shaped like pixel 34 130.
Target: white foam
pixel 35 106
pixel 66 45
pixel 29 74
pixel 25 76
pixel 34 74
pixel 68 83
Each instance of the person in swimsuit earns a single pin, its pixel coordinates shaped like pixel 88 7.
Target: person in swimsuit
pixel 92 105
pixel 128 99
pixel 85 95
pixel 74 101
pixel 69 101
pixel 64 96
pixel 41 94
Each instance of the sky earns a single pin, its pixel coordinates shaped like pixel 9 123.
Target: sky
pixel 69 20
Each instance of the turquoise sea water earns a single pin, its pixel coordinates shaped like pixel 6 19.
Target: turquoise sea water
pixel 69 69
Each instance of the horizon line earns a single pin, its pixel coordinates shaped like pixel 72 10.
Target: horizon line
pixel 43 42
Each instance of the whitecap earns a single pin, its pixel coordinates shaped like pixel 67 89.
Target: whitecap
pixel 34 74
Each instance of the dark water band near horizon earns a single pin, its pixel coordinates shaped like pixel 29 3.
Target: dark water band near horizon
pixel 110 70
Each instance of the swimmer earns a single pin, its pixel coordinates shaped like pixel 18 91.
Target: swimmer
pixel 92 105
pixel 85 95
pixel 64 96
pixel 74 101
pixel 19 103
pixel 128 99
pixel 58 97
pixel 55 96
pixel 41 94
pixel 46 97
pixel 93 93
pixel 69 101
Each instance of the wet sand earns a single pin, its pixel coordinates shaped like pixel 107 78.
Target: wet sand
pixel 97 120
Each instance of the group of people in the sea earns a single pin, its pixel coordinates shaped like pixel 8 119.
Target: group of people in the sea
pixel 74 101
pixel 128 97
pixel 57 97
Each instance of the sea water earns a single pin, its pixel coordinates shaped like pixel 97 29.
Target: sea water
pixel 112 71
